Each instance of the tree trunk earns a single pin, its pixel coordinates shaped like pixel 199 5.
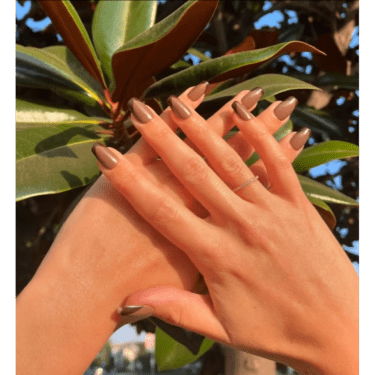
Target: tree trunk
pixel 241 363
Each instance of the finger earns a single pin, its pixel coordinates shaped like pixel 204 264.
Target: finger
pixel 141 153
pixel 275 116
pixel 280 171
pixel 186 165
pixel 187 310
pixel 222 121
pixel 172 219
pixel 292 145
pixel 221 157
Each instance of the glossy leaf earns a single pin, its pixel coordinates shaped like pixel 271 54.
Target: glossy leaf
pixel 279 135
pixel 68 23
pixel 223 68
pixel 272 84
pixel 314 189
pixel 324 211
pixel 55 158
pixel 46 68
pixel 198 54
pixel 323 153
pixel 53 148
pixel 170 354
pixel 316 120
pixel 159 47
pixel 117 22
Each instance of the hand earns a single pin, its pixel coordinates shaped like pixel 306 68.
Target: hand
pixel 280 285
pixel 104 252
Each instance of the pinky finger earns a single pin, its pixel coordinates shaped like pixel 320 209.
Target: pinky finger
pixel 292 145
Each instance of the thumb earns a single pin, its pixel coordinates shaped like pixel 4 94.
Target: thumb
pixel 191 311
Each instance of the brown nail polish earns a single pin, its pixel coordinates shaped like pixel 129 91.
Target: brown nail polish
pixel 299 139
pixel 136 311
pixel 251 98
pixel 140 110
pixel 104 155
pixel 241 111
pixel 284 109
pixel 198 91
pixel 178 107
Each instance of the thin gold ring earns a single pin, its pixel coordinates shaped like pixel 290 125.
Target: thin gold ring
pixel 246 183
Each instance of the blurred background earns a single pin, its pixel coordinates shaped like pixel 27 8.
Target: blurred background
pixel 332 114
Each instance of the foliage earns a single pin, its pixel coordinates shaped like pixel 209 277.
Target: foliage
pixel 84 85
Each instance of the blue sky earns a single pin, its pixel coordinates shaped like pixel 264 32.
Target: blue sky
pixel 273 19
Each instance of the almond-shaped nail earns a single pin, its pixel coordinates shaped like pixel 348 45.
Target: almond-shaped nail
pixel 104 155
pixel 140 110
pixel 178 107
pixel 284 109
pixel 198 91
pixel 299 139
pixel 136 311
pixel 241 111
pixel 251 98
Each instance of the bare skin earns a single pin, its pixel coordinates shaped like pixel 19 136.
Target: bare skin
pixel 101 257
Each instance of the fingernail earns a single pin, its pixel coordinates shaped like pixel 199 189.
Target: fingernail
pixel 140 110
pixel 251 98
pixel 178 107
pixel 284 109
pixel 198 91
pixel 104 155
pixel 136 311
pixel 241 111
pixel 299 139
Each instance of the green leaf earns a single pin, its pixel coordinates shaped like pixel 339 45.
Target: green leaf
pixel 323 153
pixel 223 68
pixel 316 120
pixel 159 47
pixel 324 210
pixel 46 68
pixel 67 21
pixel 314 189
pixel 279 135
pixel 117 22
pixel 339 81
pixel 170 354
pixel 55 158
pixel 198 54
pixel 272 84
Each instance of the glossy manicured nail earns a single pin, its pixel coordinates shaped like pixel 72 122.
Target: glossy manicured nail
pixel 299 139
pixel 178 107
pixel 251 98
pixel 140 110
pixel 241 111
pixel 104 155
pixel 198 91
pixel 136 311
pixel 284 109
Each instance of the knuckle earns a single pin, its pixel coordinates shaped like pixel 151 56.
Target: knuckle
pixel 261 134
pixel 283 162
pixel 158 131
pixel 195 171
pixel 165 213
pixel 132 175
pixel 232 164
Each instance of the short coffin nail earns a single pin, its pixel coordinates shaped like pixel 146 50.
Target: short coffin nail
pixel 251 98
pixel 178 107
pixel 299 139
pixel 284 109
pixel 104 155
pixel 140 110
pixel 198 91
pixel 241 111
pixel 136 311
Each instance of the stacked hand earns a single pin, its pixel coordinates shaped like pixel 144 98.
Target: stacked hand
pixel 279 284
pixel 269 261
